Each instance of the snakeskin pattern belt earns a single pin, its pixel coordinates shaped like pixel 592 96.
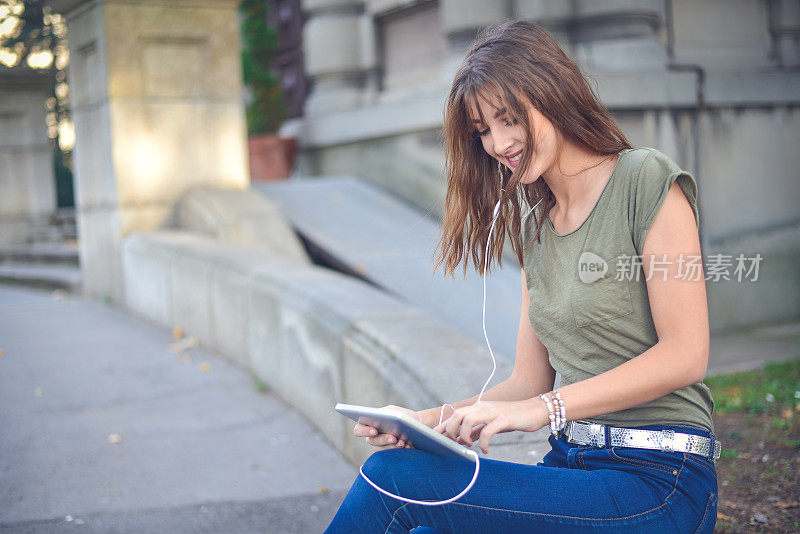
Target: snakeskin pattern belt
pixel 661 440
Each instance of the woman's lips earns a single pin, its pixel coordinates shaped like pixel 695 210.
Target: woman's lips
pixel 513 159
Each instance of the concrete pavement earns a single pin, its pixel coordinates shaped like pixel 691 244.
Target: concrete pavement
pixel 201 449
pixel 750 349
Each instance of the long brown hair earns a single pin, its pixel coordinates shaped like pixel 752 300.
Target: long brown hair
pixel 518 64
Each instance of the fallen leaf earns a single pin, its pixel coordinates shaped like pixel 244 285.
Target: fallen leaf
pixel 783 505
pixel 114 438
pixel 204 367
pixel 2 353
pixel 322 489
pixel 37 392
pixel 183 344
pixel 787 413
pixel 722 516
pixel 732 391
pixel 59 294
pixel 177 332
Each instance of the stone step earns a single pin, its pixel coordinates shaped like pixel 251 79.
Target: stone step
pixel 50 234
pixel 66 277
pixel 65 215
pixel 57 252
pixel 58 226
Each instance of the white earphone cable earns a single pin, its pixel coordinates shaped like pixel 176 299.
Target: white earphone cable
pixel 430 503
pixel 441 415
pixel 486 255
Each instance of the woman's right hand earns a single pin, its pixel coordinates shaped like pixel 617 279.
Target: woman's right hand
pixel 379 441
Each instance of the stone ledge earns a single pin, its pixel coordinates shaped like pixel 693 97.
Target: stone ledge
pixel 241 217
pixel 620 91
pixel 314 336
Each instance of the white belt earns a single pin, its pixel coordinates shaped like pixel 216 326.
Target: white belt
pixel 661 440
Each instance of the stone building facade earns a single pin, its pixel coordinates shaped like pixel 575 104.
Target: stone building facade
pixel 714 84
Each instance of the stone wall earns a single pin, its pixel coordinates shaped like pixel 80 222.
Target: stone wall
pixel 712 83
pixel 313 335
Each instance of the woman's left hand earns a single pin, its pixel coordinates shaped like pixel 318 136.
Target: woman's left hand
pixel 484 419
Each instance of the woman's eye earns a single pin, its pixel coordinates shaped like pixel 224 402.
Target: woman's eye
pixel 481 133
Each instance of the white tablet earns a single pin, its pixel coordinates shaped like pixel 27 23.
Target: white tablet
pixel 407 428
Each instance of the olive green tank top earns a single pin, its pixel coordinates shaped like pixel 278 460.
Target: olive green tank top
pixel 592 319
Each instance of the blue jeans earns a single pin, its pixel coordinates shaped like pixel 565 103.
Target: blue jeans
pixel 575 488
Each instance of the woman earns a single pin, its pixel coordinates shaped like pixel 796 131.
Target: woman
pixel 609 301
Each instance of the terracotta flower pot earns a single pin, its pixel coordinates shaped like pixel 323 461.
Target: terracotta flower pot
pixel 271 157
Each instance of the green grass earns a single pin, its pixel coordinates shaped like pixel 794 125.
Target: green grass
pixel 773 390
pixel 734 435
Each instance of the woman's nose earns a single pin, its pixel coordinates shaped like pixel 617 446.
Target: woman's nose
pixel 502 143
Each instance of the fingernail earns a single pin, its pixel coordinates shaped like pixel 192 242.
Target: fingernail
pixel 372 432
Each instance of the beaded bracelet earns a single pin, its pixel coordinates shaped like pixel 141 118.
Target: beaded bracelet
pixel 557 409
pixel 556 412
pixel 561 415
pixel 550 412
pixel 562 408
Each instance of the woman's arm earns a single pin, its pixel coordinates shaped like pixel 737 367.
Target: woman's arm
pixel 680 315
pixel 531 376
pixel 678 359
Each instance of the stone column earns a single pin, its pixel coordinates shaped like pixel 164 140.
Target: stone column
pixel 339 55
pixel 552 16
pixel 614 35
pixel 27 180
pixel 462 19
pixel 785 27
pixel 157 107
